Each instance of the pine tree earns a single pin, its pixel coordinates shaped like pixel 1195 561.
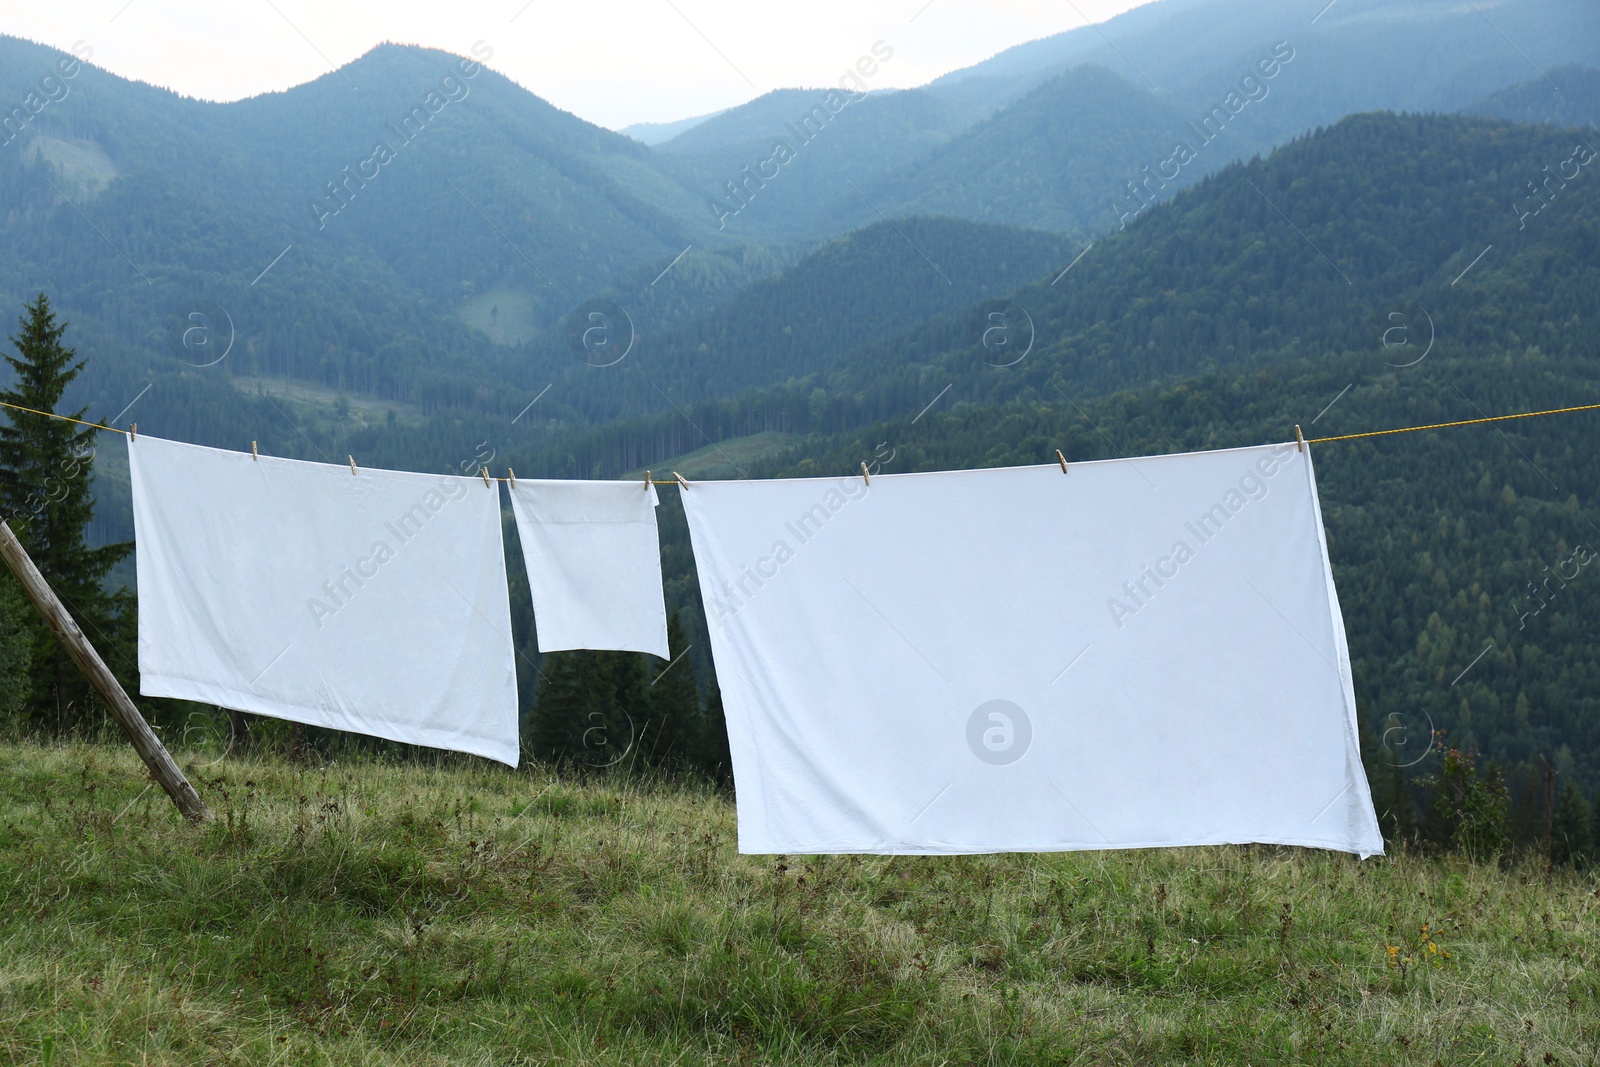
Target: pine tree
pixel 45 469
pixel 559 712
pixel 616 736
pixel 1574 833
pixel 716 759
pixel 591 709
pixel 672 737
pixel 1401 815
pixel 17 620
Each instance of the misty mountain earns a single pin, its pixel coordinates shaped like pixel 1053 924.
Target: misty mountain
pixel 1062 157
pixel 784 164
pixel 654 133
pixel 1370 53
pixel 1564 96
pixel 1367 240
pixel 1048 134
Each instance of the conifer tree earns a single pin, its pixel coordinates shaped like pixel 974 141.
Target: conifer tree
pixel 591 708
pixel 17 622
pixel 672 736
pixel 1573 844
pixel 616 736
pixel 715 757
pixel 557 715
pixel 45 469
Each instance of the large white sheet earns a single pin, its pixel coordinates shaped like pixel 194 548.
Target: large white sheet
pixel 374 602
pixel 594 564
pixel 1136 653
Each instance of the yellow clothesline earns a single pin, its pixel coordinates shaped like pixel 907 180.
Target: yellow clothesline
pixel 678 480
pixel 1446 425
pixel 64 418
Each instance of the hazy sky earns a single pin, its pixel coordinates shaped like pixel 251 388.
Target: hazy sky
pixel 612 62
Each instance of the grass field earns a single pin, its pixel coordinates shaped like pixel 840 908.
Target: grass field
pixel 376 913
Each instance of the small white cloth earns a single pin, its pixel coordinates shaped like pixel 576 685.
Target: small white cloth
pixel 594 564
pixel 373 602
pixel 1136 653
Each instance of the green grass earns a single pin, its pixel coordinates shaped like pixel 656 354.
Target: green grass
pixel 375 913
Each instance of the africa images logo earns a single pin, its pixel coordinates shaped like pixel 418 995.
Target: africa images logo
pixel 999 732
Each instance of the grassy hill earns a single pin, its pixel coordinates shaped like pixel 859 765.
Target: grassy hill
pixel 380 913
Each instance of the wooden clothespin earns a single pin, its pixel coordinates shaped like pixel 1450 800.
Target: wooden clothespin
pixel 647 481
pixel 133 431
pixel 865 476
pixel 253 454
pixel 485 472
pixel 352 460
pixel 1299 439
pixel 513 477
pixel 1062 460
pixel 681 483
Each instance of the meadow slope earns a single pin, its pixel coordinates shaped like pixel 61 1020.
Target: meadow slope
pixel 375 912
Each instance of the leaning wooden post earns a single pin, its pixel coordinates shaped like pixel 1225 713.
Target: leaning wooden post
pixel 145 742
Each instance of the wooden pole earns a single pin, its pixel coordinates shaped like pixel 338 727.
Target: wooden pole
pixel 149 747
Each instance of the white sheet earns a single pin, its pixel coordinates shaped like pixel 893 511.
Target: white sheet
pixel 374 602
pixel 594 564
pixel 1136 653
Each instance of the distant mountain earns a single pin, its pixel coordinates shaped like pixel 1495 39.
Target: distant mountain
pixel 856 289
pixel 1438 53
pixel 418 229
pixel 378 241
pixel 1367 239
pixel 783 164
pixel 1073 118
pixel 654 133
pixel 1564 96
pixel 1062 158
pixel 412 238
pixel 1309 250
pixel 1010 74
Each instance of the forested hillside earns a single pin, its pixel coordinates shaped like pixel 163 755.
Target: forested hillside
pixel 1351 240
pixel 418 230
pixel 1444 543
pixel 869 285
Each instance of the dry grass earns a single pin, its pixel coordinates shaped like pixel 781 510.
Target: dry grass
pixel 375 913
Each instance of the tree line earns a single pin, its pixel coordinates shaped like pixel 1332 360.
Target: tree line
pixel 597 710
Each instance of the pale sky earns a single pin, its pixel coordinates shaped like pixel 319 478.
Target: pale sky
pixel 613 62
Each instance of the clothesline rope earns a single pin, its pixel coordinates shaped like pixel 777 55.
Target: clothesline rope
pixel 1447 425
pixel 63 418
pixel 1309 441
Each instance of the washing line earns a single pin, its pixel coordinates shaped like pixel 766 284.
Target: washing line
pixel 678 481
